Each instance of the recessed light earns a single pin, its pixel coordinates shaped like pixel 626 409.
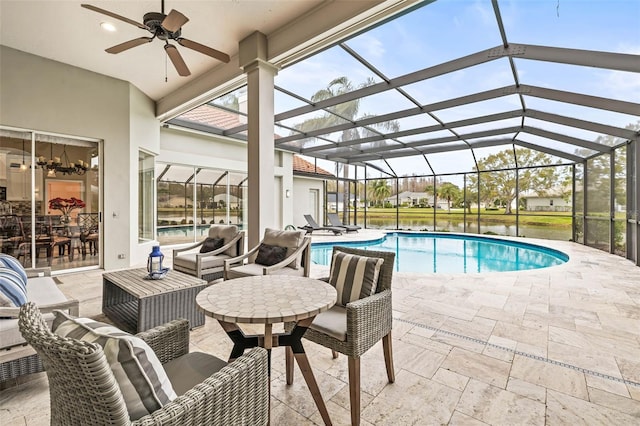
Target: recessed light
pixel 107 26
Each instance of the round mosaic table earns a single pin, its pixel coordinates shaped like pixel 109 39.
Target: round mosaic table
pixel 270 299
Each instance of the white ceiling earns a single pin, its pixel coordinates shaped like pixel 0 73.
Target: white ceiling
pixel 64 31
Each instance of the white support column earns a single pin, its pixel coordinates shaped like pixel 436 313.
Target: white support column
pixel 260 146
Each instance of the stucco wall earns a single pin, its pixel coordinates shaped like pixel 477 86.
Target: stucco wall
pixel 44 95
pixel 186 147
pixel 301 204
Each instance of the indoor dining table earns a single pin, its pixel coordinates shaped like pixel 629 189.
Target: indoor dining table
pixel 268 300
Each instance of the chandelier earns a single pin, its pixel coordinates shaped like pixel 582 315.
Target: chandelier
pixel 62 164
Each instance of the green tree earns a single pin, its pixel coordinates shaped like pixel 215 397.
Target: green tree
pixel 449 192
pixel 345 111
pixel 501 185
pixel 379 190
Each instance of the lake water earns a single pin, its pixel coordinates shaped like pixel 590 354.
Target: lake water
pixel 530 231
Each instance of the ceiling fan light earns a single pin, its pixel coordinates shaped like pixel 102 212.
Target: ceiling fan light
pixel 108 26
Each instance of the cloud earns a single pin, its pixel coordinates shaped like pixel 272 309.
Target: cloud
pixel 622 85
pixel 369 46
pixel 628 49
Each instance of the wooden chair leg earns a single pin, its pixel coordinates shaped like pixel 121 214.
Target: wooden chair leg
pixel 334 354
pixel 288 359
pixel 354 390
pixel 388 357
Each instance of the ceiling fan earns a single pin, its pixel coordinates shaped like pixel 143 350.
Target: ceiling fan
pixel 164 27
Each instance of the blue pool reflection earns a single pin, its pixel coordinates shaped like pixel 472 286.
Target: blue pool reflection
pixel 445 253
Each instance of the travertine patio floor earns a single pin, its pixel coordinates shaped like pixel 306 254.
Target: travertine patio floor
pixel 553 346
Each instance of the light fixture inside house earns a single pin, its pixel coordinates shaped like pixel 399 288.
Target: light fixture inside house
pixel 62 165
pixel 23 166
pixel 108 26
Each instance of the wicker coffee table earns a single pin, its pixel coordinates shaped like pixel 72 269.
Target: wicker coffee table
pixel 136 304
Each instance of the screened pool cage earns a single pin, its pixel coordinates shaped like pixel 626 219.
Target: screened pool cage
pixel 449 118
pixel 594 202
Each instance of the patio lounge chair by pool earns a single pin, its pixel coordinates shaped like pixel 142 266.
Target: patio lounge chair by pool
pixel 334 219
pixel 312 225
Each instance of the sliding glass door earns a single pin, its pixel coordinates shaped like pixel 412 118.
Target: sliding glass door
pixel 49 199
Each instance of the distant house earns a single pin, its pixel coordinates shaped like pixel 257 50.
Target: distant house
pixel 338 206
pixel 552 201
pixel 408 198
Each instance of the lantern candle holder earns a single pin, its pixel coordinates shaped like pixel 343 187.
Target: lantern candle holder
pixel 154 264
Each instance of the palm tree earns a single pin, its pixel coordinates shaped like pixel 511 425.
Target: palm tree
pixel 345 111
pixel 379 190
pixel 449 191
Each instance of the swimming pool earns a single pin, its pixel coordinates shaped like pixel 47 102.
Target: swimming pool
pixel 451 253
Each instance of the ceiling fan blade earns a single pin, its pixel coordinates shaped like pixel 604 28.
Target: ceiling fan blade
pixel 128 44
pixel 116 16
pixel 174 21
pixel 177 60
pixel 204 49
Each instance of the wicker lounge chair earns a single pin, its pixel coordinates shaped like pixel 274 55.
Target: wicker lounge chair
pixel 84 391
pixel 312 225
pixel 361 325
pixel 334 220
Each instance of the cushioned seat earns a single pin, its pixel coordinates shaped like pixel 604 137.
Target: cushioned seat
pixel 41 291
pixel 250 269
pixel 332 322
pixel 188 370
pixel 187 260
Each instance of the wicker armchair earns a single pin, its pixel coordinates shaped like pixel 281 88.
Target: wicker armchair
pixel 209 266
pixel 83 389
pixel 246 266
pixel 361 325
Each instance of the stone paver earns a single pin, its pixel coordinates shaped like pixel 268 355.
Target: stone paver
pixel 496 348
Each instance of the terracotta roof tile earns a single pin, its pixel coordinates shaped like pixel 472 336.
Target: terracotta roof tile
pixel 303 166
pixel 212 116
pixel 221 119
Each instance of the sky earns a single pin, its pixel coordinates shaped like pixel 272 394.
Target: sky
pixel 449 29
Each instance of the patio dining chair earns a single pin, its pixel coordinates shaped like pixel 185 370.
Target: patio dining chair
pixel 352 328
pixel 99 375
pixel 89 224
pixel 279 253
pixel 205 259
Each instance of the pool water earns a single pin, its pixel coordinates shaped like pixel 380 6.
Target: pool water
pixel 448 253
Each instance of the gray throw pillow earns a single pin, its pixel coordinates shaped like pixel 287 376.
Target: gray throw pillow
pixel 211 244
pixel 269 255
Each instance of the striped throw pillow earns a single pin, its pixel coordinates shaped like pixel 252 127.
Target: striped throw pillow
pixel 354 277
pixel 11 262
pixel 143 381
pixel 13 288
